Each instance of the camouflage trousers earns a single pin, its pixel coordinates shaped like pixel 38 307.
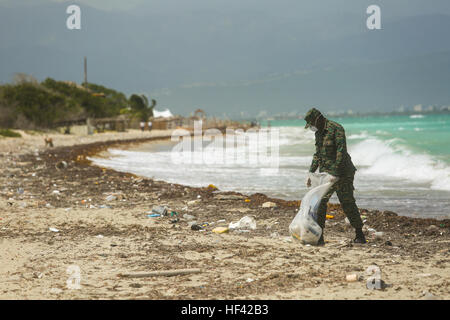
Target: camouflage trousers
pixel 344 190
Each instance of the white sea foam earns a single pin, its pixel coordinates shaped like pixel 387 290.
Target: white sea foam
pixel 362 135
pixel 390 159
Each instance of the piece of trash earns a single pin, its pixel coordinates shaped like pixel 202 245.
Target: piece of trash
pixel 370 229
pixel 249 280
pixel 329 216
pixel 188 217
pixel 154 215
pixel 211 186
pixel 246 222
pixel 346 220
pixel 103 206
pixel 53 229
pixel 99 236
pixel 174 220
pixel 20 190
pixel 196 227
pixel 199 196
pixel 192 202
pixel 109 198
pixel 173 213
pixel 61 165
pixel 160 210
pixel 378 235
pixel 388 243
pixel 377 284
pixel 37 275
pixel 220 230
pixel 247 200
pixel 220 221
pixel 269 205
pixel 274 234
pixel 352 277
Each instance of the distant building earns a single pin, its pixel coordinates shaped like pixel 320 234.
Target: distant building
pixel 417 108
pixel 401 109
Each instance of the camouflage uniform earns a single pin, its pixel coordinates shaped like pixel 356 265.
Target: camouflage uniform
pixel 331 156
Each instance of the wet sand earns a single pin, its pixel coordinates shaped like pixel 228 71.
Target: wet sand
pixel 106 236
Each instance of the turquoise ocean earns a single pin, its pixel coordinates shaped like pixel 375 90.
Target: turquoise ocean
pixel 402 161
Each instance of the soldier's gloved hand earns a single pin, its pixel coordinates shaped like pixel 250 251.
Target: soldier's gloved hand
pixel 308 182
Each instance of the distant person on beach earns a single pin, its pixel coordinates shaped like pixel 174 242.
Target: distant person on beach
pixel 48 142
pixel 149 126
pixel 331 156
pixel 142 125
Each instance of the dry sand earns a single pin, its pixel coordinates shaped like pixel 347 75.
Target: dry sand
pixel 265 263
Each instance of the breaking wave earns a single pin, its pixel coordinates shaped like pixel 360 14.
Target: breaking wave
pixel 392 159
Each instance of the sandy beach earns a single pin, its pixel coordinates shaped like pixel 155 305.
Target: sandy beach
pixel 55 219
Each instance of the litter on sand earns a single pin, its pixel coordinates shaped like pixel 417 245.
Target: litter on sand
pixel 220 230
pixel 245 223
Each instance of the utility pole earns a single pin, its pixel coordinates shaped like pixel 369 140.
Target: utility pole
pixel 85 72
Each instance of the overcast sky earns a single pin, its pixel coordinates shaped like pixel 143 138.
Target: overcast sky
pixel 317 8
pixel 187 51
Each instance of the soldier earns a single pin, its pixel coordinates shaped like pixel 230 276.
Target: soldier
pixel 331 156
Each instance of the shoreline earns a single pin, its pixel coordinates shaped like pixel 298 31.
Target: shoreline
pixel 278 266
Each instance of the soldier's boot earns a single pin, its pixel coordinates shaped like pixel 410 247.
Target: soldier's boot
pixel 360 238
pixel 321 241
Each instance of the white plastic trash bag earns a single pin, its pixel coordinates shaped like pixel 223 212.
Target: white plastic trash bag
pixel 245 223
pixel 304 227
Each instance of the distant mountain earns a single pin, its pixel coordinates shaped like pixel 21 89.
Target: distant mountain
pixel 269 56
pixel 380 86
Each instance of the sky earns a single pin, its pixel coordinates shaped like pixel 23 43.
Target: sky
pixel 234 55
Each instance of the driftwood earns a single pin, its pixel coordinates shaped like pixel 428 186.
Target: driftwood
pixel 162 273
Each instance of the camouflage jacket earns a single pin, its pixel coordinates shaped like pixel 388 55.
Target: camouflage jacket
pixel 331 151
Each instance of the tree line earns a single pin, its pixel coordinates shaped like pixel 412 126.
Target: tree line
pixel 29 104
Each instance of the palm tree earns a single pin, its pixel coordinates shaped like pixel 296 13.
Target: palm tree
pixel 140 106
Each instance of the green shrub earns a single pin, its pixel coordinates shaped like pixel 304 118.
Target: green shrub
pixel 9 133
